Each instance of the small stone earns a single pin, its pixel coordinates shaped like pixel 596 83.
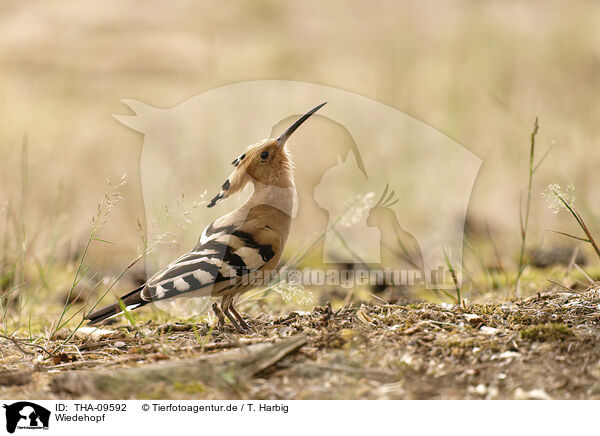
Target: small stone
pixel 488 330
pixel 473 319
pixel 534 394
pixel 492 392
pixel 95 333
pixel 509 355
pixel 480 389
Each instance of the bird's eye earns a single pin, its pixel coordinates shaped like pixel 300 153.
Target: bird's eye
pixel 264 155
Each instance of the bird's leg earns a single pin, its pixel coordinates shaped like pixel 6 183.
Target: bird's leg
pixel 225 306
pixel 234 323
pixel 243 323
pixel 219 314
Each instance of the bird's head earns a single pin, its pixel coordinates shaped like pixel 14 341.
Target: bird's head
pixel 267 162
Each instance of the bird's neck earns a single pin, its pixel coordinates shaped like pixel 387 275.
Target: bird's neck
pixel 283 198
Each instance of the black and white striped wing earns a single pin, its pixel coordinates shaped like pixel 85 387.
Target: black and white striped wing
pixel 223 256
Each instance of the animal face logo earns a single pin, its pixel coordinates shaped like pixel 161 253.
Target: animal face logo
pixel 354 152
pixel 383 217
pixel 26 415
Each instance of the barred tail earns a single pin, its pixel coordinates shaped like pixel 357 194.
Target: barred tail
pixel 132 301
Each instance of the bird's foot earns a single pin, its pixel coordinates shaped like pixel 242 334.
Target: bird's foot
pixel 234 323
pixel 219 314
pixel 239 317
pixel 241 327
pixel 244 324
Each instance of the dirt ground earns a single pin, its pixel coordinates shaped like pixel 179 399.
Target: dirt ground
pixel 541 347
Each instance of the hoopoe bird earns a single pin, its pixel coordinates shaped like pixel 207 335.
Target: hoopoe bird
pixel 238 251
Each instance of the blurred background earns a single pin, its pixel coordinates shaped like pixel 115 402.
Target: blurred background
pixel 477 72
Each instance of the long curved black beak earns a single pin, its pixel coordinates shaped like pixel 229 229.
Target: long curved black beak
pixel 285 135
